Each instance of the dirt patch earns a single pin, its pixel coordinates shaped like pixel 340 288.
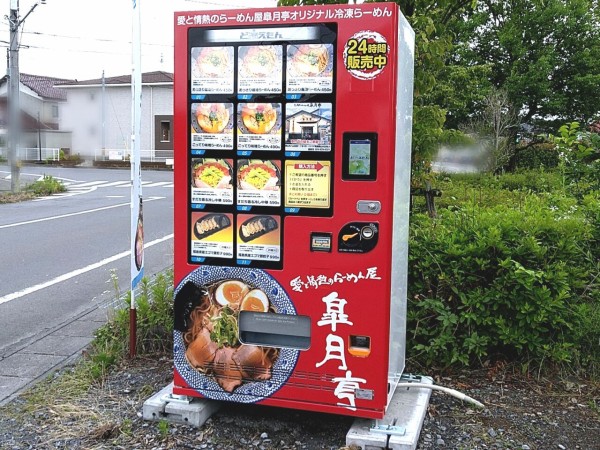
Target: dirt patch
pixel 521 413
pixel 9 197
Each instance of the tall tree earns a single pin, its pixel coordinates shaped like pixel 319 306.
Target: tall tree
pixel 544 53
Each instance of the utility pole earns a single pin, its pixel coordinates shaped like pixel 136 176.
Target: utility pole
pixel 14 114
pixel 103 114
pixel 14 81
pixel 39 124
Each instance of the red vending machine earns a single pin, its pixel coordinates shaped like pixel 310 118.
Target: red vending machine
pixel 292 169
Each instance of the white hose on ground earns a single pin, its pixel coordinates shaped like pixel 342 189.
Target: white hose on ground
pixel 452 392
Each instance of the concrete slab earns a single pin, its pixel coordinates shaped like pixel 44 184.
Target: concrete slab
pixel 28 365
pixel 58 345
pixel 78 328
pixel 177 409
pixel 401 426
pixel 409 418
pixel 9 385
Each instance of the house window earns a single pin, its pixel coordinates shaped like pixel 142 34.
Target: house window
pixel 165 131
pixel 55 111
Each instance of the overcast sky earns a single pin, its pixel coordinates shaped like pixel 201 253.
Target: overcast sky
pixel 78 39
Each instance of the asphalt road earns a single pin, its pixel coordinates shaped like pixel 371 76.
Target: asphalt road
pixel 59 254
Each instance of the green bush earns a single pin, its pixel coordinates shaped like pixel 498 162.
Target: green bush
pixel 531 181
pixel 63 156
pixel 491 190
pixel 48 185
pixel 154 304
pixel 498 281
pixel 579 158
pixel 543 154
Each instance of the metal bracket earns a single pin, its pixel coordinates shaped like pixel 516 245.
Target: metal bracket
pixel 390 430
pixel 410 378
pixel 174 398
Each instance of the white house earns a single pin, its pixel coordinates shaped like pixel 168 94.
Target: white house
pixel 97 113
pixel 40 99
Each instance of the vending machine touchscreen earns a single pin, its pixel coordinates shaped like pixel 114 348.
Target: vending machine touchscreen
pixel 292 166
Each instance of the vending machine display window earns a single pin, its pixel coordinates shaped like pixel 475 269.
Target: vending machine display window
pixel 261 138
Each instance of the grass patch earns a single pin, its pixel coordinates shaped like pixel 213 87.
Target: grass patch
pixel 48 185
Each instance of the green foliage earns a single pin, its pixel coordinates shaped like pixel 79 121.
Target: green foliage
pixel 62 156
pixel 530 181
pixel 504 273
pixel 544 53
pixel 48 185
pixel 536 155
pixel 163 428
pixel 454 138
pixel 154 305
pixel 579 153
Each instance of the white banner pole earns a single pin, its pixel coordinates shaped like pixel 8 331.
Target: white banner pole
pixel 137 220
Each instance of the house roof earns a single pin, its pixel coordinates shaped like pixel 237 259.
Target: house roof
pixel 157 77
pixel 45 87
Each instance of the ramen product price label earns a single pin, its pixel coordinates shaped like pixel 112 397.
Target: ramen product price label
pixel 308 127
pixel 260 69
pixel 212 235
pixel 307 184
pixel 212 126
pixel 259 126
pixel 212 181
pixel 309 68
pixel 259 182
pixel 366 54
pixel 258 237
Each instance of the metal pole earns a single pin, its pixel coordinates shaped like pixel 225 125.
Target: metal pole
pixel 39 138
pixel 137 265
pixel 14 114
pixel 103 114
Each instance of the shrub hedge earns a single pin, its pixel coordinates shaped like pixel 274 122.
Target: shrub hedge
pixel 535 156
pixel 505 274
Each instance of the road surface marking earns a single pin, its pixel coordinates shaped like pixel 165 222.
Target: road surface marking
pixel 74 273
pixel 158 183
pixel 78 213
pixel 88 184
pixel 36 175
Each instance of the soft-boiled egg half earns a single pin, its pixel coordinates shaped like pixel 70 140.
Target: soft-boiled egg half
pixel 230 293
pixel 256 301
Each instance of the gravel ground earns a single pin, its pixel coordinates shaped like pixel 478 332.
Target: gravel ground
pixel 521 413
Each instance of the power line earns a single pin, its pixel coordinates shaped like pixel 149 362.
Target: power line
pixel 79 38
